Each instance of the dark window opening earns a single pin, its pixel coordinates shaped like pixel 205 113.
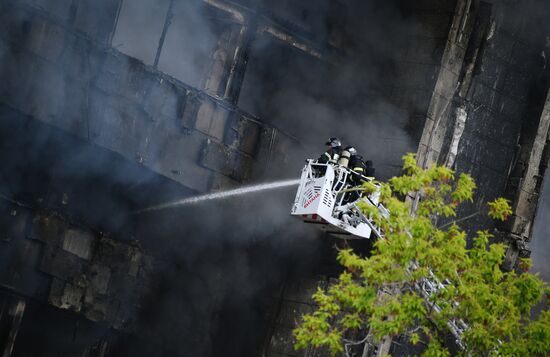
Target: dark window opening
pixel 189 40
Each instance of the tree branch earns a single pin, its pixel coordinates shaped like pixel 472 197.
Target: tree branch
pixel 349 343
pixel 460 220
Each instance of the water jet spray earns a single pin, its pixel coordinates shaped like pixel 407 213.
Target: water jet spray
pixel 222 195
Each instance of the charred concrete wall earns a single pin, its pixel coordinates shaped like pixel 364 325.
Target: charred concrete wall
pixel 110 106
pixel 59 68
pixel 90 134
pixel 487 117
pixel 489 114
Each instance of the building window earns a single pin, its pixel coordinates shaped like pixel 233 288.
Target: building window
pixel 139 28
pixel 189 43
pixel 189 40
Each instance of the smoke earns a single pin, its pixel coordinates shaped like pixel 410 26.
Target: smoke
pixel 220 264
pixel 347 94
pixel 147 16
pixel 224 261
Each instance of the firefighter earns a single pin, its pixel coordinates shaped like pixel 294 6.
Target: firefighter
pixel 355 163
pixel 357 166
pixel 333 152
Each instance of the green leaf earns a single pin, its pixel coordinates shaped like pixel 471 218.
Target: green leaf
pixel 500 209
pixel 380 292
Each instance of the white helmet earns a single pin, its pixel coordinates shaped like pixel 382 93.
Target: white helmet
pixel 334 142
pixel 351 150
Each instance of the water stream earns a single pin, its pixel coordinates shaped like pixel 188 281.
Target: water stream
pixel 224 194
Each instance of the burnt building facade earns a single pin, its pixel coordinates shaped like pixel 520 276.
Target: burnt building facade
pixel 108 107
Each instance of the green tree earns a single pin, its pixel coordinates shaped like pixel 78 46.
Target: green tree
pixel 382 294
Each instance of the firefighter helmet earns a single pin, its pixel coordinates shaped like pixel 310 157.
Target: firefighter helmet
pixel 351 150
pixel 334 142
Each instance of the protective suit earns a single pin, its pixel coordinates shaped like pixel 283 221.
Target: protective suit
pixel 333 152
pixel 358 168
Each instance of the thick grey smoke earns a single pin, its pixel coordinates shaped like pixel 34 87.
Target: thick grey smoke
pixel 224 258
pixel 220 264
pixel 346 94
pixel 223 263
